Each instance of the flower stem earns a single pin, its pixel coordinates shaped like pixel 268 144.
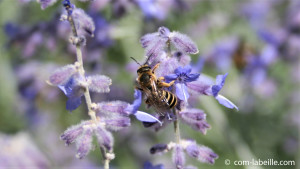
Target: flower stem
pixel 87 95
pixel 176 127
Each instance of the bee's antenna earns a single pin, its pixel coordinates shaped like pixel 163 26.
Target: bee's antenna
pixel 136 61
pixel 148 59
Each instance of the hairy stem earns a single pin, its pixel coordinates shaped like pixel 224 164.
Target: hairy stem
pixel 176 127
pixel 87 95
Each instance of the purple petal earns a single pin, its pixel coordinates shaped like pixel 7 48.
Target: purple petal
pixel 73 103
pixel 147 39
pixel 62 75
pixel 99 83
pixel 183 43
pixel 158 148
pixel 171 77
pixel 220 80
pixel 178 156
pixel 181 92
pixel 104 137
pixel 202 153
pixel 133 108
pixel 46 3
pixel 84 143
pixel 148 165
pixel 201 86
pixel 164 32
pixel 192 77
pixel 225 102
pixel 145 117
pixel 183 70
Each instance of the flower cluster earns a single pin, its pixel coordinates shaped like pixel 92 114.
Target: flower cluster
pixel 71 79
pixel 171 50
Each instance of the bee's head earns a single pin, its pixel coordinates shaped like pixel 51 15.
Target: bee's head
pixel 144 69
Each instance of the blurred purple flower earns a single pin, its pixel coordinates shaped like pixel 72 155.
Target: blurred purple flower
pixel 182 76
pixel 98 83
pixel 84 142
pixel 83 22
pixel 178 156
pixel 195 118
pixel 71 134
pixel 148 165
pixel 62 75
pixel 154 43
pixel 201 153
pixel 46 3
pixel 151 9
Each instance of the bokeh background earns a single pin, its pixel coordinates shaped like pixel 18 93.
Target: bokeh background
pixel 256 42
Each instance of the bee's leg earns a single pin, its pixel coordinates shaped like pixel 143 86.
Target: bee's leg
pixel 155 67
pixel 164 84
pixel 161 78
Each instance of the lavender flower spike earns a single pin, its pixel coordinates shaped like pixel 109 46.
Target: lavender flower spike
pixel 183 43
pixel 202 153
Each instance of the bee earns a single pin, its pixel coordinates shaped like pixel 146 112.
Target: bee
pixel 153 89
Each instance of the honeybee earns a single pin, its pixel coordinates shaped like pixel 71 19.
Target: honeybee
pixel 153 89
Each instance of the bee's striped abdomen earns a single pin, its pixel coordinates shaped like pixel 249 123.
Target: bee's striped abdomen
pixel 170 98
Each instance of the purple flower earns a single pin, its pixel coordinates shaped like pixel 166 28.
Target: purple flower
pixel 74 92
pixel 99 83
pixel 83 22
pixel 178 156
pixel 195 118
pixel 72 133
pixel 46 3
pixel 154 43
pixel 84 143
pixel 104 137
pixel 141 116
pixel 201 153
pixel 117 123
pixel 151 9
pixel 182 76
pixel 204 85
pixel 112 108
pixel 148 165
pixel 62 75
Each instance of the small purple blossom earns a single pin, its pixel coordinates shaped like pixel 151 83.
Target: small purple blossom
pixel 154 43
pixel 83 22
pixel 74 91
pixel 195 118
pixel 112 108
pixel 178 156
pixel 99 83
pixel 201 153
pixel 72 133
pixel 182 76
pixel 46 3
pixel 84 143
pixel 117 123
pixel 104 137
pixel 62 75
